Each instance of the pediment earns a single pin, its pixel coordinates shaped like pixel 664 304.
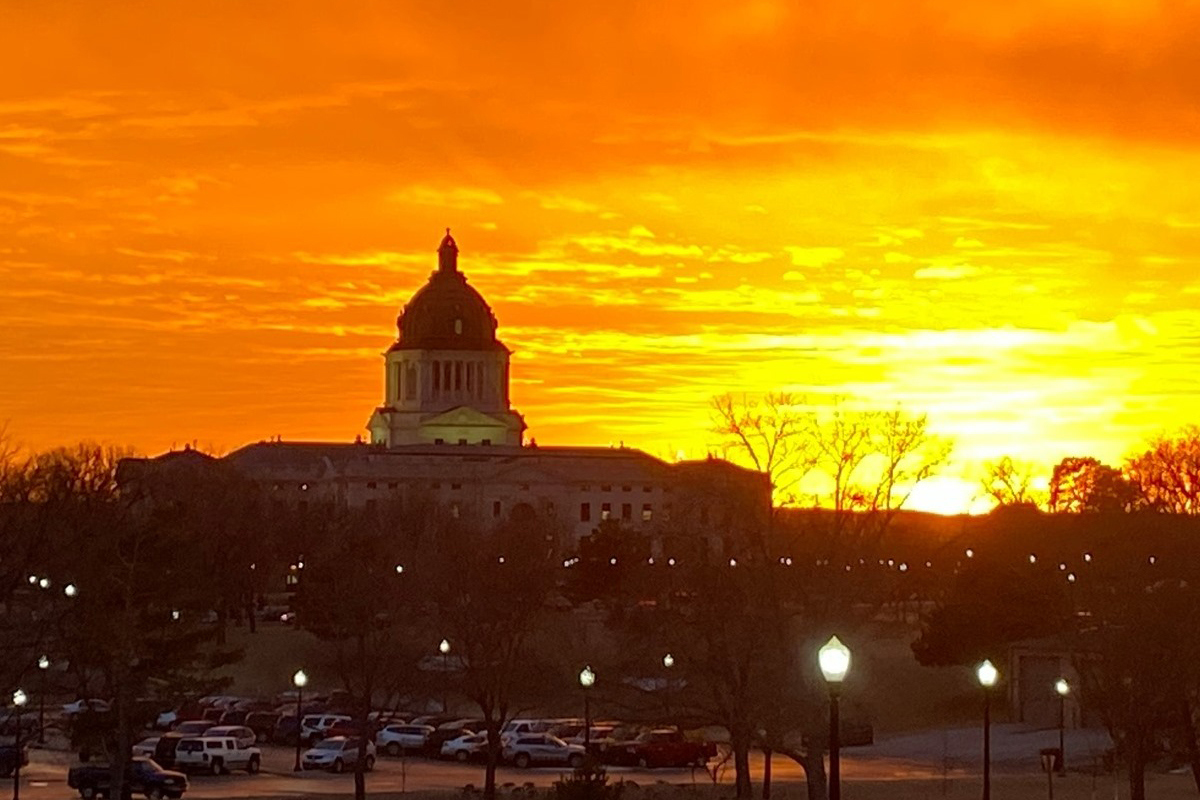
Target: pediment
pixel 463 416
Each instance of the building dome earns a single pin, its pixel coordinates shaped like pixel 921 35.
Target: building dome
pixel 447 313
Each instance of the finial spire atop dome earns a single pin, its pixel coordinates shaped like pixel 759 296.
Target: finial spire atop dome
pixel 448 254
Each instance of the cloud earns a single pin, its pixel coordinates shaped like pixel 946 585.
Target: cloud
pixel 459 198
pixel 814 256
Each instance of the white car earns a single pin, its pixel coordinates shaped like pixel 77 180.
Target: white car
pixel 216 754
pixel 542 748
pixel 337 753
pixel 240 733
pixel 146 747
pixel 464 748
pixel 395 739
pixel 522 727
pixel 314 726
pixel 99 706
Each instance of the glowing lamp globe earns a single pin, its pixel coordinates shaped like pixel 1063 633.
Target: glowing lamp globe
pixel 44 662
pixel 587 678
pixel 987 674
pixel 1062 687
pixel 20 698
pixel 834 658
pixel 300 679
pixel 444 646
pixel 668 661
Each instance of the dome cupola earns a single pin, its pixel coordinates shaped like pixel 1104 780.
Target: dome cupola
pixel 447 313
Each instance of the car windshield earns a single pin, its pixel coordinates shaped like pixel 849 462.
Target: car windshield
pixel 329 744
pixel 146 765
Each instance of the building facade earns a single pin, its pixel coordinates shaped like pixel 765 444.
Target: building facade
pixel 446 431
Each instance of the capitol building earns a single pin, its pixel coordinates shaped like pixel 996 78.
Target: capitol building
pixel 446 430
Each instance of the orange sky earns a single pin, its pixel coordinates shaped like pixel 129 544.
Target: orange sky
pixel 989 211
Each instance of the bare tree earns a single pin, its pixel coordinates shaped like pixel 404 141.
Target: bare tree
pixel 1085 485
pixel 766 432
pixel 490 592
pixel 1010 483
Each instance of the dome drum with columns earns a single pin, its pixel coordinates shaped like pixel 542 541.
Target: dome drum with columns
pixel 446 376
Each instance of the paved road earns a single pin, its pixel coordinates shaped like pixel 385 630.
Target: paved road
pixel 916 757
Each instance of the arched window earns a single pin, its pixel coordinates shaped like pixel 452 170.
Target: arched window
pixel 410 382
pixel 458 326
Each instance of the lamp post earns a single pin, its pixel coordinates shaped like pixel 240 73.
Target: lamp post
pixel 444 649
pixel 987 675
pixel 300 679
pixel 586 679
pixel 668 661
pixel 834 658
pixel 19 699
pixel 1063 688
pixel 43 666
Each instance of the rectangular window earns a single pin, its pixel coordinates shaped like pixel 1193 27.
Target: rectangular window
pixel 486 442
pixel 606 487
pixel 456 486
pixel 437 377
pixel 647 512
pixel 393 485
pixel 647 488
pixel 585 512
pixel 606 511
pixel 410 383
pixel 370 484
pixel 458 376
pixel 627 511
pixel 626 488
pixel 462 441
pixel 496 508
pixel 439 441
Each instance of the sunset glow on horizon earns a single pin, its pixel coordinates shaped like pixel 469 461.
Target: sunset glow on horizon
pixel 986 212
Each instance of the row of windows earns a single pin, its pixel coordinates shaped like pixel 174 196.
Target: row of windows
pixel 585 511
pixel 607 487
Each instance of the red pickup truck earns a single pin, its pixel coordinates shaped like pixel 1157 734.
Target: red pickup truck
pixel 662 748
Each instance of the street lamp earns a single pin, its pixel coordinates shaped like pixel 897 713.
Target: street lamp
pixel 668 661
pixel 586 679
pixel 987 675
pixel 19 700
pixel 300 679
pixel 69 590
pixel 834 658
pixel 1063 688
pixel 444 649
pixel 43 666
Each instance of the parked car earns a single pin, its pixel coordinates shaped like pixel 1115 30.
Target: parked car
pixel 192 727
pixel 263 724
pixel 286 730
pixel 468 747
pixel 216 754
pixel 240 733
pixel 542 748
pixel 92 704
pixel 396 739
pixel 314 726
pixel 522 727
pixel 164 750
pixel 236 716
pixel 666 747
pixel 142 775
pixel 213 714
pixel 351 728
pixel 146 747
pixel 338 753
pixel 9 757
